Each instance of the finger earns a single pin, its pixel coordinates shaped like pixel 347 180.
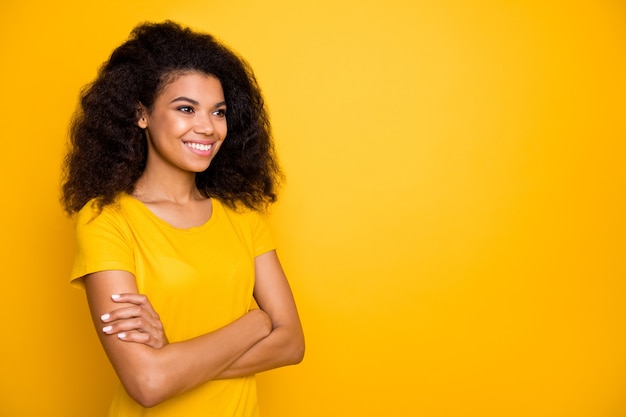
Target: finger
pixel 143 338
pixel 127 313
pixel 138 324
pixel 136 319
pixel 138 299
pixel 132 324
pixel 138 337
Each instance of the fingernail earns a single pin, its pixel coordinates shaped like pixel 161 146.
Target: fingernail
pixel 121 335
pixel 115 296
pixel 105 316
pixel 107 329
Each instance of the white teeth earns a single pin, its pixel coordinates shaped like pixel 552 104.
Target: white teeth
pixel 199 146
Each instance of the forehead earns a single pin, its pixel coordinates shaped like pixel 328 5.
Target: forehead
pixel 191 83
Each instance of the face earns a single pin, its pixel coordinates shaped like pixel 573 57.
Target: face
pixel 186 125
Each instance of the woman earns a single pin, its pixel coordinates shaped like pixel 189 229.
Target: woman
pixel 170 170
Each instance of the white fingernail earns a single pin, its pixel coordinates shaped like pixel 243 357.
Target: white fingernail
pixel 107 329
pixel 105 316
pixel 115 296
pixel 121 335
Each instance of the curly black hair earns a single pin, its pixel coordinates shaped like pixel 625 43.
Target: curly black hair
pixel 108 151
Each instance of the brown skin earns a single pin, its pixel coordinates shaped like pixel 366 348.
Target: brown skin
pixel 151 369
pixel 152 375
pixel 140 323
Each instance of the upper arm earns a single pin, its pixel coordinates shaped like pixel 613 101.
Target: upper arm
pixel 128 359
pixel 273 294
pixel 152 375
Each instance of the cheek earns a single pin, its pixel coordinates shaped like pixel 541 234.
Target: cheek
pixel 170 127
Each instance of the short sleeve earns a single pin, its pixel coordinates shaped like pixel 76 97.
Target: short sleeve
pixel 262 235
pixel 102 243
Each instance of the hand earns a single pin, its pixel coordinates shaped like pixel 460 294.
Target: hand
pixel 266 321
pixel 138 323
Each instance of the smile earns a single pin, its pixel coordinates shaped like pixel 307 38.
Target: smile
pixel 199 146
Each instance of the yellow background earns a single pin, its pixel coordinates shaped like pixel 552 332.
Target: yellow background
pixel 452 224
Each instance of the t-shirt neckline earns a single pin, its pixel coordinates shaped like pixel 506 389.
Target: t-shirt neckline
pixel 215 208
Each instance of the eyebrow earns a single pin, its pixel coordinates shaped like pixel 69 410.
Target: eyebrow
pixel 195 102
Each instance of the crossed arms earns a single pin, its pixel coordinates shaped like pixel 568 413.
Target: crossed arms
pixel 153 370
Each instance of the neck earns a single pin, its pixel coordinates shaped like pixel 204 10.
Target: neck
pixel 172 188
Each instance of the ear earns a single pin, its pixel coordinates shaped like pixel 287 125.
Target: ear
pixel 142 116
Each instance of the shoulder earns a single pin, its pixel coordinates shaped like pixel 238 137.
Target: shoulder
pixel 115 214
pixel 241 214
pixel 252 225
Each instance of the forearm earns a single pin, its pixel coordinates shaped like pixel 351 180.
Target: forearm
pixel 178 367
pixel 284 346
pixel 153 375
pixel 285 343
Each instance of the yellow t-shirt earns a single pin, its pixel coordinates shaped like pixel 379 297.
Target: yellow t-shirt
pixel 197 279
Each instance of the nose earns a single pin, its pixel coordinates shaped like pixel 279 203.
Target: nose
pixel 204 124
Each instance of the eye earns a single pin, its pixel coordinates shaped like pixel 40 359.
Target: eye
pixel 221 113
pixel 185 109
